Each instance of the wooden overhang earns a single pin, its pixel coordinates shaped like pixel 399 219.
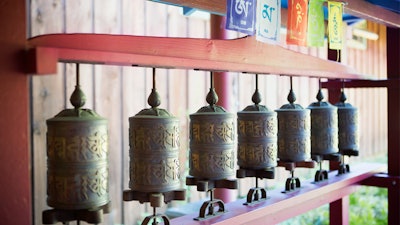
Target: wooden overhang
pixel 237 55
pixel 359 8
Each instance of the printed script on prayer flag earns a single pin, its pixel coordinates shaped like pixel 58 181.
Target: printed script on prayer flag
pixel 297 22
pixel 268 20
pixel 241 16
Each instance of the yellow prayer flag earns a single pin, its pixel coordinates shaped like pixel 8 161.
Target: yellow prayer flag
pixel 335 23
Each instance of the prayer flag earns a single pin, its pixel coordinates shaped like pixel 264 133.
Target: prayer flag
pixel 316 26
pixel 297 22
pixel 241 16
pixel 268 20
pixel 335 19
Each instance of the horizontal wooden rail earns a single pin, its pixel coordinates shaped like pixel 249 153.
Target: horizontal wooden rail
pixel 238 55
pixel 279 206
pixel 383 180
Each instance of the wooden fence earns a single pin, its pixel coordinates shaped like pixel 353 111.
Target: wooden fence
pixel 117 93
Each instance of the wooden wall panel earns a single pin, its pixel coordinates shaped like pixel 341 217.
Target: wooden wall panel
pixel 48 96
pixel 371 102
pixel 134 98
pixel 107 91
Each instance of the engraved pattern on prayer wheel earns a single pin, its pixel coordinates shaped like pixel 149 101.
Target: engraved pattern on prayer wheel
pixel 154 153
pixel 77 151
pixel 212 139
pixel 324 127
pixel 294 135
pixel 257 138
pixel 348 125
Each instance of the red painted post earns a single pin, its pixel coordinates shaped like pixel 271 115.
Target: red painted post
pixel 15 182
pixel 393 72
pixel 222 84
pixel 339 209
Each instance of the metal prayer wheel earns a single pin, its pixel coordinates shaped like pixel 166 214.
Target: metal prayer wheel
pixel 154 149
pixel 294 136
pixel 77 151
pixel 212 139
pixel 324 127
pixel 257 136
pixel 348 126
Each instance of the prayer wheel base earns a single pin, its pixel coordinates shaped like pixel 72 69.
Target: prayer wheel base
pixel 93 216
pixel 293 183
pixel 268 173
pixel 207 185
pixel 150 220
pixel 210 209
pixel 255 196
pixel 322 175
pixel 155 199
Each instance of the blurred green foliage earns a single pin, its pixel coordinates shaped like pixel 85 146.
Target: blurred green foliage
pixel 367 206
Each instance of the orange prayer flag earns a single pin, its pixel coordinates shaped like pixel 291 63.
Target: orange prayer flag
pixel 297 22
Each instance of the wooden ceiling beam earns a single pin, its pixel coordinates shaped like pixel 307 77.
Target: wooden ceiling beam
pixel 238 55
pixel 371 12
pixel 358 8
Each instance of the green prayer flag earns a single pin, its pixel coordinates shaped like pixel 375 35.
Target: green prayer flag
pixel 316 26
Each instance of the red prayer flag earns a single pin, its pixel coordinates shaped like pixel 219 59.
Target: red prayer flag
pixel 297 22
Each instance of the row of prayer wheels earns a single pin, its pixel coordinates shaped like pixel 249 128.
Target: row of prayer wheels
pixel 77 145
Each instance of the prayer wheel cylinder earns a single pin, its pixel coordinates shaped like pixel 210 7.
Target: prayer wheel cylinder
pixel 294 138
pixel 77 151
pixel 348 126
pixel 324 128
pixel 212 139
pixel 154 151
pixel 257 138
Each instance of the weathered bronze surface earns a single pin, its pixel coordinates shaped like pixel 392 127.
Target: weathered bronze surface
pixel 154 153
pixel 257 139
pixel 294 138
pixel 154 148
pixel 77 151
pixel 257 136
pixel 212 139
pixel 324 127
pixel 348 126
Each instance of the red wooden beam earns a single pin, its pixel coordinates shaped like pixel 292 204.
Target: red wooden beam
pixel 15 166
pixel 239 55
pixel 393 70
pixel 279 206
pixel 383 180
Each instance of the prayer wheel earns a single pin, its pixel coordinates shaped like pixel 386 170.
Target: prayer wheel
pixel 154 149
pixel 212 139
pixel 77 152
pixel 348 127
pixel 294 138
pixel 257 136
pixel 324 127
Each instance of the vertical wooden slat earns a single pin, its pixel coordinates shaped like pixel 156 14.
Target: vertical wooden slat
pixel 107 91
pixel 48 99
pixel 133 99
pixel 178 89
pixel 197 88
pixel 79 19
